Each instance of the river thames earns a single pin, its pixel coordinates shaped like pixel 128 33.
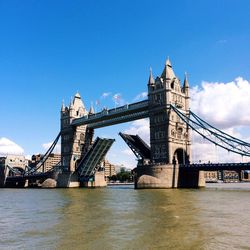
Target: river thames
pixel 119 217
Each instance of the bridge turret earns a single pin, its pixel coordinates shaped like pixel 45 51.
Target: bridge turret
pixel 91 110
pixel 71 108
pixel 169 79
pixel 73 138
pixel 168 72
pixel 185 87
pixel 63 107
pixel 185 90
pixel 151 80
pixel 77 107
pixel 168 136
pixel 151 83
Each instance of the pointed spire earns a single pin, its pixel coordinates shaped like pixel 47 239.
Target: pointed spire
pixel 151 79
pixel 63 106
pixel 168 62
pixel 71 106
pixel 185 85
pixel 91 110
pixel 77 95
pixel 168 72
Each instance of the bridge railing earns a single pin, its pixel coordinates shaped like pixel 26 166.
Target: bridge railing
pixel 132 106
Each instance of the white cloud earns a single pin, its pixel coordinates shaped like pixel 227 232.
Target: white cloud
pixel 127 151
pixel 123 157
pixel 141 128
pixel 224 105
pixel 9 147
pixel 118 100
pixel 140 96
pixel 204 151
pixel 105 94
pixel 222 41
pixel 207 152
pixel 46 146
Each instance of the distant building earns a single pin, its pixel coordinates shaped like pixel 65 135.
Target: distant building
pixel 52 160
pixel 211 176
pixel 109 169
pixel 17 161
pixel 230 176
pixel 246 175
pixel 227 176
pixel 233 176
pixel 119 167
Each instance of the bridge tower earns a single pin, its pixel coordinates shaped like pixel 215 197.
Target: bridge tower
pixel 169 136
pixel 73 139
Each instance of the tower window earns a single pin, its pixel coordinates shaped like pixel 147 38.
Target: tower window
pixel 82 137
pixel 179 133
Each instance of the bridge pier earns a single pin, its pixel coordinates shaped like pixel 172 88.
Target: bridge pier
pixel 69 179
pixel 2 176
pixel 168 176
pixel 98 180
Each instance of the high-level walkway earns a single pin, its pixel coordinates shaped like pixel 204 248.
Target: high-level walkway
pixel 107 117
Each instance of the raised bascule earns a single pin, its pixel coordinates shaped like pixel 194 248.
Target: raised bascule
pixel 165 163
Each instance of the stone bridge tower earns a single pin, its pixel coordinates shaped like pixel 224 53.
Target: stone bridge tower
pixel 169 136
pixel 74 140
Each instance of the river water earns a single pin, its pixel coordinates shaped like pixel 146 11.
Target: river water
pixel 216 217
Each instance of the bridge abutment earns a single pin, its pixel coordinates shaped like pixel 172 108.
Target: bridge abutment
pixel 168 176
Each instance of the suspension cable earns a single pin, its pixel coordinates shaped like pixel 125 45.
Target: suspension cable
pixel 45 157
pixel 223 137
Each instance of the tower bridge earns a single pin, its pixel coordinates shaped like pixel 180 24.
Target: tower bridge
pixel 163 163
pixel 169 135
pixel 167 161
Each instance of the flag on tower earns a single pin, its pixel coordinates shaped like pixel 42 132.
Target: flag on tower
pixel 117 98
pixel 97 102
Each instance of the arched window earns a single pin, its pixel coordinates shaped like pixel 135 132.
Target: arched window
pixel 172 85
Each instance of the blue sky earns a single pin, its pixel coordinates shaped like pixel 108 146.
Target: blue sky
pixel 51 49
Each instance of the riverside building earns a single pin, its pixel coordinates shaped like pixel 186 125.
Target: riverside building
pixel 52 160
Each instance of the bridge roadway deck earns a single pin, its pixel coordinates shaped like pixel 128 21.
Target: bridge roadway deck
pixel 107 117
pixel 220 166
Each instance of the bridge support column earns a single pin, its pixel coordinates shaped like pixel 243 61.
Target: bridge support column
pixel 98 180
pixel 191 178
pixel 2 176
pixel 168 176
pixel 67 179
